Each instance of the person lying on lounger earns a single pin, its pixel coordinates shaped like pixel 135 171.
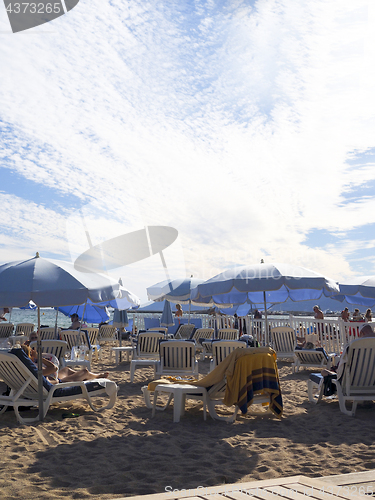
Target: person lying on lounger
pixel 54 375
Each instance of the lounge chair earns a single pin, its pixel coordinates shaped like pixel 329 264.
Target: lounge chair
pixel 284 342
pixel 357 381
pixel 76 338
pixel 49 334
pixel 21 375
pixel 222 348
pixel 6 330
pixel 93 334
pixel 185 331
pixel 310 358
pixel 56 347
pixel 146 352
pixel 108 333
pixel 228 334
pixel 177 358
pixel 26 328
pixel 202 334
pixel 245 377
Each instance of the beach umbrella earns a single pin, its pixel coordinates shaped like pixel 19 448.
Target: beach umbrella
pixel 49 283
pixel 358 291
pixel 92 313
pixel 264 283
pixel 177 291
pixel 166 317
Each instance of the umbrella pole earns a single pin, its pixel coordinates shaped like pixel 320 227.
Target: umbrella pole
pixel 57 312
pixel 40 371
pixel 266 316
pixel 189 311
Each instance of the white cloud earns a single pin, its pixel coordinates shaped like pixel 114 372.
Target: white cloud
pixel 232 124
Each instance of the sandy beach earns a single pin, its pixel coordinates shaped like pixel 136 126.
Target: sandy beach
pixel 123 452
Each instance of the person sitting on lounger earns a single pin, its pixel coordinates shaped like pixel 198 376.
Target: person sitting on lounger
pixel 365 332
pixel 52 373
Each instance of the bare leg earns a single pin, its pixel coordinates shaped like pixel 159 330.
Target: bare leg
pixel 81 376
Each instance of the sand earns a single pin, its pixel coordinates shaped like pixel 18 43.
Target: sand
pixel 123 452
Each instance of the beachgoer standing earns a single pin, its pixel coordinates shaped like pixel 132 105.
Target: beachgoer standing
pixel 318 313
pixel 345 315
pixel 178 313
pixel 368 316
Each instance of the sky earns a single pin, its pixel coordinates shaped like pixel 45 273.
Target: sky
pixel 246 125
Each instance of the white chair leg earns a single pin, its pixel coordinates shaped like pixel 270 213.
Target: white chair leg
pixel 132 369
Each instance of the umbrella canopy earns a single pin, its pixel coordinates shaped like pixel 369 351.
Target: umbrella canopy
pixel 177 290
pixel 358 291
pixel 92 313
pixel 267 283
pixel 49 282
pixel 166 317
pixel 278 281
pixel 125 300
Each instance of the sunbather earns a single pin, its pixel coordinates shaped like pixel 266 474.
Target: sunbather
pixel 365 332
pixel 66 374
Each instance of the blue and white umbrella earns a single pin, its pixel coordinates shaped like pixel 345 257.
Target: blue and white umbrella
pixel 177 290
pixel 358 291
pixel 90 313
pixel 120 319
pixel 267 283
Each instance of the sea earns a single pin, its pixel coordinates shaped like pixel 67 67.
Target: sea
pixel 47 317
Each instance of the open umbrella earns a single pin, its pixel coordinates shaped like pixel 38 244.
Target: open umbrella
pixel 177 291
pixel 92 313
pixel 358 291
pixel 267 283
pixel 166 317
pixel 50 283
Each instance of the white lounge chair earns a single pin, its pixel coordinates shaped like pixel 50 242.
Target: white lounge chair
pixel 184 332
pixel 358 380
pixel 56 347
pixel 108 334
pixel 177 358
pixel 228 334
pixel 284 342
pixel 222 348
pixel 49 334
pixel 146 352
pixel 202 334
pixel 75 338
pixel 93 334
pixel 26 328
pixel 310 358
pixel 6 330
pixel 21 375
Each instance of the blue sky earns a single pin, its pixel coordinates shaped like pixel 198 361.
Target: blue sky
pixel 249 126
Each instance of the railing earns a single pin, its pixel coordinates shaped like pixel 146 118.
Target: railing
pixel 333 333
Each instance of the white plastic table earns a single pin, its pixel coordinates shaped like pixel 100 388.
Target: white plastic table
pixel 117 350
pixel 179 392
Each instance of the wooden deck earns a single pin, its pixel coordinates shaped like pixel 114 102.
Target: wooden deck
pixel 353 486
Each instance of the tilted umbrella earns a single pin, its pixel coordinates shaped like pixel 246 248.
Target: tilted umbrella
pixel 177 291
pixel 267 283
pixel 50 283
